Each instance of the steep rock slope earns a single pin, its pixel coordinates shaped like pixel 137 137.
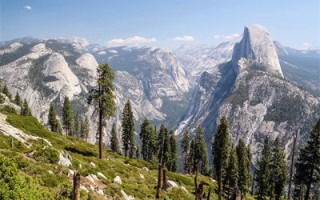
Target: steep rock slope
pixel 47 71
pixel 301 67
pixel 254 96
pixel 198 59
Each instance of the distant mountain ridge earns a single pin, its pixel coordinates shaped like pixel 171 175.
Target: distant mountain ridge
pixel 46 71
pixel 251 91
pixel 249 79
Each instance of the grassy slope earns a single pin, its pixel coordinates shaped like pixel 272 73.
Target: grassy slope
pixel 83 153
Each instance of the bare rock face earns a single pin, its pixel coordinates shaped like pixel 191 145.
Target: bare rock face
pixel 256 45
pixel 251 91
pixel 64 81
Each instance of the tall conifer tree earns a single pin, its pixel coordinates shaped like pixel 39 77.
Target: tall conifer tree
pixel 146 138
pixel 7 92
pixel 52 120
pixel 103 98
pixel 167 150
pixel 25 110
pixel 220 152
pixel 185 146
pixel 243 168
pixel 232 173
pixel 128 130
pixel 200 152
pixel 85 128
pixel 263 171
pixel 67 117
pixel 17 100
pixel 77 126
pixel 278 170
pixel 308 164
pixel 114 139
pixel 174 149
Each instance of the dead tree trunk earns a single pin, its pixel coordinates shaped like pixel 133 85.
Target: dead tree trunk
pixel 76 186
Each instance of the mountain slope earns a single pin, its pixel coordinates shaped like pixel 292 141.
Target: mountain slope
pixel 48 161
pixel 251 91
pixel 46 71
pixel 301 67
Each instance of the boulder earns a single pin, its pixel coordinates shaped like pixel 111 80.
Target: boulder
pixel 125 196
pixel 184 189
pixel 92 164
pixel 145 168
pixel 171 184
pixel 101 175
pixel 117 179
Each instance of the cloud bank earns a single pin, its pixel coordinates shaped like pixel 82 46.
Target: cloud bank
pixel 184 38
pixel 132 41
pixel 226 37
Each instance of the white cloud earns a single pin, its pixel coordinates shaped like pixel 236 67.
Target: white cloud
pixel 132 41
pixel 306 46
pixel 226 37
pixel 184 38
pixel 28 7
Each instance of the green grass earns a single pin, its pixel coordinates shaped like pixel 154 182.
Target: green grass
pixel 82 153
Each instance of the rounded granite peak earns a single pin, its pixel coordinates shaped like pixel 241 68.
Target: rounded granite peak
pixel 258 47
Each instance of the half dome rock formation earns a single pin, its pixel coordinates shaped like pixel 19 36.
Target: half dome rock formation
pixel 257 49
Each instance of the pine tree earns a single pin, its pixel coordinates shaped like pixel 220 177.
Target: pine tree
pixel 308 164
pixel 17 100
pixel 67 117
pixel 153 144
pixel 244 156
pixel 128 130
pixel 220 152
pixel 192 159
pixel 77 125
pixel 167 159
pixel 7 92
pixel 85 128
pixel 25 110
pixel 232 173
pixel 278 170
pixel 146 138
pixel 114 140
pixel 52 120
pixel 160 144
pixel 103 98
pixel 174 159
pixel 263 171
pixel 185 146
pixel 200 152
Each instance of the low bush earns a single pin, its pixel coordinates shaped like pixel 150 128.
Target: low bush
pixel 48 155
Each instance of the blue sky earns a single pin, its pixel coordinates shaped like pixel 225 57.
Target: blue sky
pixel 166 23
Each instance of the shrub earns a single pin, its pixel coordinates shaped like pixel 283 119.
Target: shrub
pixel 7 109
pixel 48 155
